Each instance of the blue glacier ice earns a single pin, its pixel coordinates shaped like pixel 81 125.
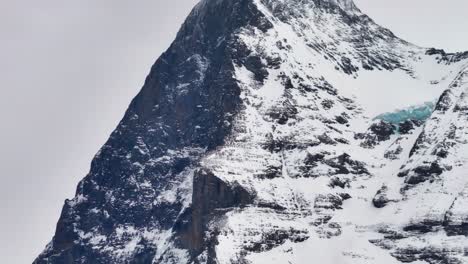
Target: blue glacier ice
pixel 419 112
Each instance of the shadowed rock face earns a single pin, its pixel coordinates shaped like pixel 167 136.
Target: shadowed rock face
pixel 347 5
pixel 185 108
pixel 210 196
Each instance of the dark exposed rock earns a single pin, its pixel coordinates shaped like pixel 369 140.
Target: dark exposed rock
pixel 327 104
pixel 329 230
pixel 327 140
pixel 407 126
pixel 347 66
pixel 284 143
pixel 287 82
pixel 283 113
pixel 447 57
pixel 343 164
pixel 377 133
pixel 424 173
pixel 339 182
pixel 381 199
pixel 310 162
pixel 345 196
pixel 329 201
pixel 391 234
pixel 419 142
pixel 441 152
pixel 280 45
pixel 342 141
pixel 336 227
pixel 322 220
pixel 273 206
pixel 430 255
pixel 444 102
pixel 434 51
pixel 276 238
pixel 255 65
pixel 403 173
pixel 393 154
pixel 274 62
pixel 425 226
pixel 410 253
pixel 383 130
pixel 326 86
pixel 306 88
pixel 456 229
pixel 209 194
pixel 314 159
pixel 342 119
pixel 271 172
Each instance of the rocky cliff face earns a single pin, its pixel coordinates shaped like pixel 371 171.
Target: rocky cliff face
pixel 253 140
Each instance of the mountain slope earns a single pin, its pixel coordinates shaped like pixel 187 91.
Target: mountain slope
pixel 253 140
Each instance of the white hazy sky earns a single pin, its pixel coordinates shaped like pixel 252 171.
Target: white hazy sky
pixel 68 70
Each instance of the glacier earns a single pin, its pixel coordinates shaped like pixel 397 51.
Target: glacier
pixel 418 112
pixel 405 119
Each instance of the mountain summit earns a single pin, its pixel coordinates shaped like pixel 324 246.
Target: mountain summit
pixel 256 138
pixel 347 5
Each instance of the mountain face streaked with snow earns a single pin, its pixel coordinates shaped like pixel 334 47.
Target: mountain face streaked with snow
pixel 263 135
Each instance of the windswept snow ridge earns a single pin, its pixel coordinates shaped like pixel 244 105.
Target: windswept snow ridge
pixel 254 140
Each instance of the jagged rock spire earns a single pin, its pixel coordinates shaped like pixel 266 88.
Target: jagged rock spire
pixel 347 5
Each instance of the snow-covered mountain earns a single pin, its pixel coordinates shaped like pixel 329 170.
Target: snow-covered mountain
pixel 259 137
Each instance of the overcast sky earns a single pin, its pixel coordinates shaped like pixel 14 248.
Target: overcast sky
pixel 68 70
